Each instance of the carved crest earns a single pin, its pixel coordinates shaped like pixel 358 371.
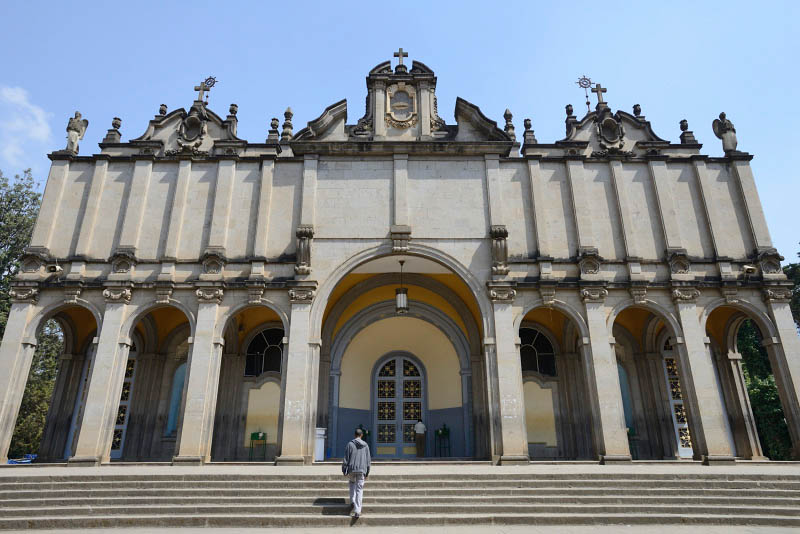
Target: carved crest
pixel 122 262
pixel 594 294
pixel 213 262
pixel 770 262
pixel 209 294
pixel 501 291
pixel 117 294
pixel 679 262
pixel 401 106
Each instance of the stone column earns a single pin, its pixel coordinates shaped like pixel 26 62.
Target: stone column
pixel 784 355
pixel 513 432
pixel 706 413
pixel 202 381
pixel 611 438
pixel 297 446
pixel 105 382
pixel 743 424
pixel 16 353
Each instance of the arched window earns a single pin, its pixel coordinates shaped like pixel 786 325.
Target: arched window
pixel 265 352
pixel 536 352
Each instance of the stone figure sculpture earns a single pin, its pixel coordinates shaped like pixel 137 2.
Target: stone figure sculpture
pixel 76 128
pixel 723 129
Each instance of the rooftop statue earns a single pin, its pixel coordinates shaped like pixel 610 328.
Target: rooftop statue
pixel 723 128
pixel 76 128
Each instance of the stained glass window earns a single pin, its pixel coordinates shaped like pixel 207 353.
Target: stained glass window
pixel 536 352
pixel 265 352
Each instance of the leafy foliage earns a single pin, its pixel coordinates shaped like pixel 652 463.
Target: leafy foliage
pixel 19 205
pixel 38 392
pixel 792 271
pixel 767 410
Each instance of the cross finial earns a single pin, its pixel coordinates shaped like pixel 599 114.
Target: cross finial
pixel 599 89
pixel 204 86
pixel 400 55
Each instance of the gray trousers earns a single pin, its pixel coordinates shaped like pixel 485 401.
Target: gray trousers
pixel 356 490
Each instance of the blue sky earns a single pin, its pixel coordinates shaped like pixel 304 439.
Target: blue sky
pixel 677 59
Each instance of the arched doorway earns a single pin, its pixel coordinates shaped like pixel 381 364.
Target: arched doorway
pixel 251 389
pixel 557 418
pixel 399 401
pixel 753 397
pixel 653 388
pixel 441 331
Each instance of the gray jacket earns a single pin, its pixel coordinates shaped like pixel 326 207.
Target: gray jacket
pixel 356 458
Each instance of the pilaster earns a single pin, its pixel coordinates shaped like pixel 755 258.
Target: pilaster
pixel 707 413
pixel 262 218
pixel 84 246
pixel 178 209
pixel 134 209
pixel 513 433
pixel 202 381
pixel 105 382
pixel 296 446
pixel 51 204
pixel 16 354
pixel 401 190
pixel 755 213
pixel 611 438
pixel 537 197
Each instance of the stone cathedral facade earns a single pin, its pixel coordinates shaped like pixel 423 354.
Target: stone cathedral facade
pixel 575 299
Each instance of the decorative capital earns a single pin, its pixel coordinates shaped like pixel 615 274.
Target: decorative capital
pixel 164 292
pixel 594 294
pixel 548 294
pixel 117 295
pixel 498 231
pixel 731 294
pixel 400 235
pixel 72 292
pixel 24 294
pixel 686 294
pixel 210 295
pixel 301 295
pixel 639 294
pixel 255 290
pixel 501 292
pixel 777 294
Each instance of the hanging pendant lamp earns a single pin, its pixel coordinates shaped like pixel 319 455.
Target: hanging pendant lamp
pixel 401 295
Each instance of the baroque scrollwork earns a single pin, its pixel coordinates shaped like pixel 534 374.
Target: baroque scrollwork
pixel 639 294
pixel 301 295
pixel 687 294
pixel 117 294
pixel 499 235
pixel 210 295
pixel 594 294
pixel 548 294
pixel 305 233
pixel 777 294
pixel 24 294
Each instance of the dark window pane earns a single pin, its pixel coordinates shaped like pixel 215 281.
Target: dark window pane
pixel 547 364
pixel 526 335
pixel 257 346
pixel 272 359
pixel 274 336
pixel 528 357
pixel 543 345
pixel 251 365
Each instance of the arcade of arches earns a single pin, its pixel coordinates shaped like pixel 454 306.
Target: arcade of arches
pixel 444 362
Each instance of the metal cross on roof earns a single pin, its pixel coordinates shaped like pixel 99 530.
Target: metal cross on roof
pixel 204 86
pixel 400 55
pixel 599 90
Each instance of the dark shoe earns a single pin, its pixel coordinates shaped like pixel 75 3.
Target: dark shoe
pixel 356 516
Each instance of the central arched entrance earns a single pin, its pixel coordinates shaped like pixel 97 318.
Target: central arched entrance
pixel 384 371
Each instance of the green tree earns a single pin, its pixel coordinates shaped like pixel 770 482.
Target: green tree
pixel 19 205
pixel 38 392
pixel 763 392
pixel 792 271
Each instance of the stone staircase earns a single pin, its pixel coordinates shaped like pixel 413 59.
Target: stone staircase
pixel 75 500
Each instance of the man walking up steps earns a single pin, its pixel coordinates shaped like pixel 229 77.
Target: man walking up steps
pixel 355 466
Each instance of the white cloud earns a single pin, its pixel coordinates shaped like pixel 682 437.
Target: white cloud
pixel 24 128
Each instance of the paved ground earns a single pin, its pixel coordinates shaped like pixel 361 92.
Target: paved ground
pixel 615 529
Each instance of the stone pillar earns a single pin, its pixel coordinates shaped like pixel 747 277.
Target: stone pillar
pixel 611 438
pixel 16 353
pixel 513 432
pixel 784 355
pixel 105 383
pixel 202 381
pixel 706 413
pixel 297 441
pixel 734 388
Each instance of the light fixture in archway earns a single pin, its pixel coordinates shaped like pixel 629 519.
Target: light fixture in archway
pixel 401 295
